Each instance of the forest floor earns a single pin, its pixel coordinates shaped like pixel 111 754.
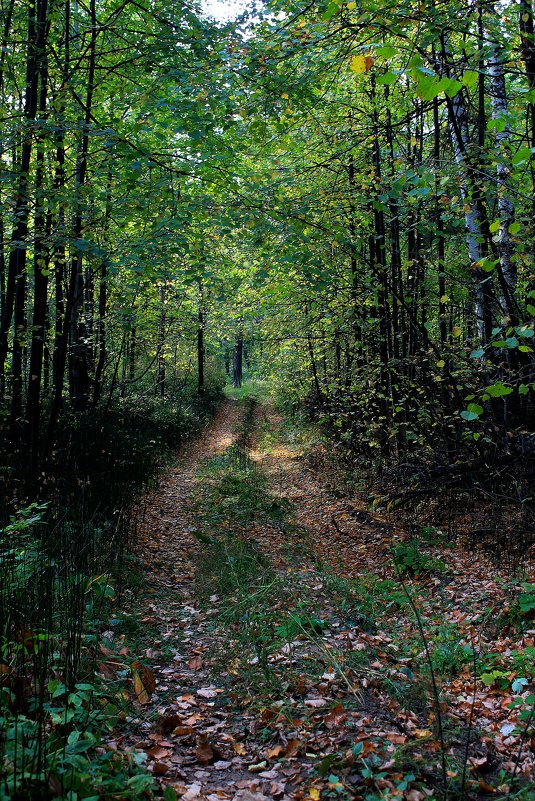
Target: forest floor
pixel 278 653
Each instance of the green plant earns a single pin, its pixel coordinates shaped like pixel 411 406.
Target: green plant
pixel 526 600
pixel 497 668
pixel 65 749
pixel 410 559
pixel 448 653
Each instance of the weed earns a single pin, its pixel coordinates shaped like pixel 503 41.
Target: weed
pixel 448 653
pixel 410 560
pixel 232 567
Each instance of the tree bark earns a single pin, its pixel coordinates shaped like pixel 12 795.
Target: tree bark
pixel 237 375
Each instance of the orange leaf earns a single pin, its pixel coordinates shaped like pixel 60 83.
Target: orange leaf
pixel 274 752
pixel 335 717
pixel 420 734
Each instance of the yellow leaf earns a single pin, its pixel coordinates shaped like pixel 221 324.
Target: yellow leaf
pixel 314 793
pixel 350 7
pixel 144 682
pixel 361 64
pixel 456 331
pixel 441 363
pixel 444 299
pixel 285 95
pixel 139 689
pixel 420 734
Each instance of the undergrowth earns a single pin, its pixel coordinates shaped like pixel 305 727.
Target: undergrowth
pixel 61 567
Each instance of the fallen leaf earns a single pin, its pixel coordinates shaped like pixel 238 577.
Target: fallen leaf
pixel 144 682
pixel 272 753
pixel 292 747
pixel 182 731
pixel 156 752
pixel 205 753
pixel 193 791
pixel 335 717
pixel 169 722
pixel 208 692
pixel 258 767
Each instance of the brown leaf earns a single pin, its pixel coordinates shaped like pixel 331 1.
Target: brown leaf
pixel 335 717
pixel 160 768
pixel 144 682
pixel 195 663
pixel 169 722
pixel 182 731
pixel 205 753
pixel 157 752
pixel 292 747
pixel 274 752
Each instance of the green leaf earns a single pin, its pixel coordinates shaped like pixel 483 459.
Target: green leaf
pixel 386 51
pixel 386 79
pixel 475 408
pixel 518 685
pixel 522 156
pixel 140 782
pixel 470 78
pixel 478 353
pixel 452 87
pixel 470 416
pixel 498 390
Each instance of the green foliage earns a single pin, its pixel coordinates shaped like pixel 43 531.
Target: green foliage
pixel 411 560
pixel 502 669
pixel 448 654
pixel 526 600
pixel 73 756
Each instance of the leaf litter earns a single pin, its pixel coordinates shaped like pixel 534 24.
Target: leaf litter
pixel 328 697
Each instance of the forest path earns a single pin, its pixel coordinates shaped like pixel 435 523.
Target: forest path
pixel 273 646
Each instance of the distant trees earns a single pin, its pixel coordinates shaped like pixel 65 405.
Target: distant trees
pixel 403 221
pixel 99 137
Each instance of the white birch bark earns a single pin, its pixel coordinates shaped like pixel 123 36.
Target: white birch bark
pixel 498 100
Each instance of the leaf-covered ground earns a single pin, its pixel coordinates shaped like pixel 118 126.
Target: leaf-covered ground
pixel 276 651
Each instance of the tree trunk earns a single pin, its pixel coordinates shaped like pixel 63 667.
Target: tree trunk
pixel 237 375
pixel 40 271
pixel 200 345
pixel 79 355
pixel 15 295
